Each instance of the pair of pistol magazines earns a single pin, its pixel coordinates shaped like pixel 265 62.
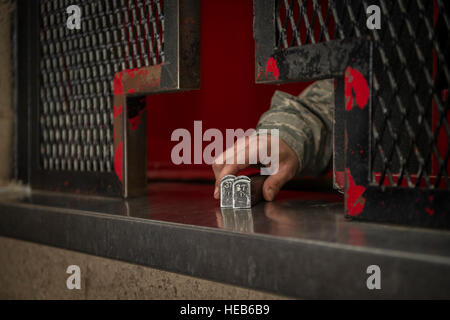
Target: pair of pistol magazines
pixel 240 192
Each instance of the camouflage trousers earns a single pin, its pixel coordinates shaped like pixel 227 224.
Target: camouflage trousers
pixel 305 123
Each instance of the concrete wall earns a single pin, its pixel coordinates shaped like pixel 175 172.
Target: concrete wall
pixel 6 85
pixel 33 271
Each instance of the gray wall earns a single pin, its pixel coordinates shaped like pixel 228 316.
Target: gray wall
pixel 33 271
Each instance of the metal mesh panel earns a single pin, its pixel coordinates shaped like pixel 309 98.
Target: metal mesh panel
pixel 410 120
pixel 303 22
pixel 76 74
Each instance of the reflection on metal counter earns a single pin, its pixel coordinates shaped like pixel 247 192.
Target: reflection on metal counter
pixel 240 220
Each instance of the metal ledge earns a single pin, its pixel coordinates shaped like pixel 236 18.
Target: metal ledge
pixel 295 247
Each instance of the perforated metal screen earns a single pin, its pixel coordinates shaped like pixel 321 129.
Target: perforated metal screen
pixel 407 134
pixel 411 129
pixel 81 90
pixel 77 69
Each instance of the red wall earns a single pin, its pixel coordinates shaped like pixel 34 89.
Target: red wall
pixel 228 98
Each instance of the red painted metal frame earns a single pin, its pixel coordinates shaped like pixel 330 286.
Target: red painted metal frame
pixel 130 157
pixel 350 63
pixel 131 87
pixel 179 71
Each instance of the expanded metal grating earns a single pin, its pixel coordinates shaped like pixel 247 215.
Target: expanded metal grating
pixel 76 75
pixel 410 120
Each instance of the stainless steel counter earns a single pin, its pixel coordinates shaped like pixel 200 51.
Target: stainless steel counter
pixel 300 245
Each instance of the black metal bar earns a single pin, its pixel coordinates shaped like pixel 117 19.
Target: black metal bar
pixel 417 207
pixel 339 135
pixel 75 69
pixel 21 63
pixel 264 34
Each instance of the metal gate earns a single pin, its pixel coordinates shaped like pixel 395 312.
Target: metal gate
pixel 80 92
pixel 391 130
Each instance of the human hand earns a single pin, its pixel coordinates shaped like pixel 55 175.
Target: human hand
pixel 247 148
